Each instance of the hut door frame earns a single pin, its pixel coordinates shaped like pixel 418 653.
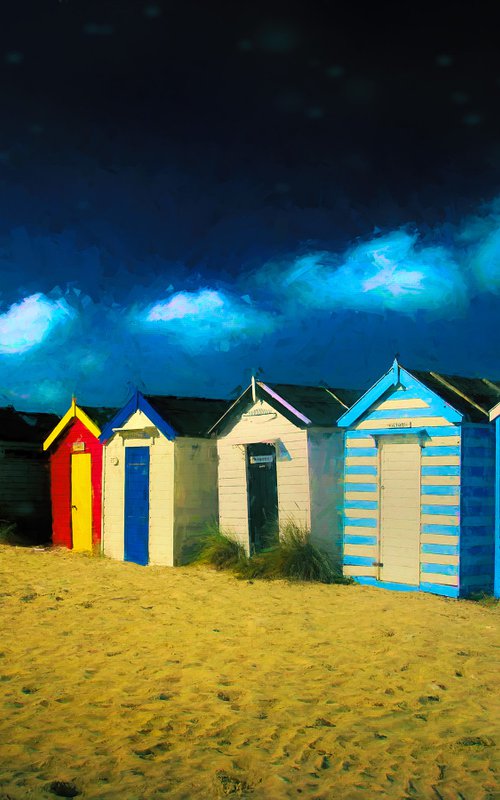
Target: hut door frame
pixel 81 501
pixel 395 439
pixel 262 479
pixel 136 507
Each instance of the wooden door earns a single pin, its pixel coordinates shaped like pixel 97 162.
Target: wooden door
pixel 136 521
pixel 400 512
pixel 262 495
pixel 81 501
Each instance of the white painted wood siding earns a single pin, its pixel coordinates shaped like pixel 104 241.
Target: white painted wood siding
pixel 326 480
pixel 261 423
pixel 195 493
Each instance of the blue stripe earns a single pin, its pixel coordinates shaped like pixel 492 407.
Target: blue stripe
pixel 441 530
pixel 450 510
pixel 367 452
pixel 358 561
pixel 406 413
pixel 440 569
pixel 479 452
pixel 478 550
pixel 394 587
pixel 480 571
pixel 435 588
pixel 476 491
pixel 369 504
pixel 472 472
pixel 452 450
pixel 475 511
pixel 433 430
pixel 360 469
pixel 476 532
pixel 361 522
pixel 441 549
pixel 360 487
pixel 441 470
pixel 440 489
pixel 350 539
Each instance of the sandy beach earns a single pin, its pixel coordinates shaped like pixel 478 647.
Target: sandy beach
pixel 143 683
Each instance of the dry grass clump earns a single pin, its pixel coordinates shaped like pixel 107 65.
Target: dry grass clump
pixel 220 549
pixel 292 557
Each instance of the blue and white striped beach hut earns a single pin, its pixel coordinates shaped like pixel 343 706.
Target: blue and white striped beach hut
pixel 495 416
pixel 420 483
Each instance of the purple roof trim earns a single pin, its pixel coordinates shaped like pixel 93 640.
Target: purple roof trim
pixel 284 403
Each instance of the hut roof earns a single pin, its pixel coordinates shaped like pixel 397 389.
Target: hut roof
pixel 30 427
pixel 188 416
pixel 472 397
pixel 99 414
pixel 303 405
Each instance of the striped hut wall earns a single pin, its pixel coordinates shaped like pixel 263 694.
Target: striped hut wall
pixel 361 492
pixel 477 538
pixel 440 510
pixel 417 409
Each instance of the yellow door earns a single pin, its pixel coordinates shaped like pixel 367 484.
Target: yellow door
pixel 81 501
pixel 400 513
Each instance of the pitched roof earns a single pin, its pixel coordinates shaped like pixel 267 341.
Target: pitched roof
pixel 25 426
pixel 99 414
pixel 467 399
pixel 472 397
pixel 188 416
pixel 302 405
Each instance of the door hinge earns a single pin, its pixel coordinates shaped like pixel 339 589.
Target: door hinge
pixel 377 564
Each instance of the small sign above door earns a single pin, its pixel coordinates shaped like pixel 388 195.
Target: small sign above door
pixel 78 447
pixel 261 459
pixel 405 424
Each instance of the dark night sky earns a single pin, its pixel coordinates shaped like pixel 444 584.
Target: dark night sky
pixel 194 191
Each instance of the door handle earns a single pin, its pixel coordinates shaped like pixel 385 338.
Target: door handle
pixel 75 507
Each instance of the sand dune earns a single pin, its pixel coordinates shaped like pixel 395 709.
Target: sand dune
pixel 144 683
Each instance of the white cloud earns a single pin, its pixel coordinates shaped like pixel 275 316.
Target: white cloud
pixel 27 323
pixel 207 318
pixel 388 272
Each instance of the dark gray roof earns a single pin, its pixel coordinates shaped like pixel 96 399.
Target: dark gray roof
pixel 320 404
pixel 188 416
pixel 472 397
pixel 25 426
pixel 99 414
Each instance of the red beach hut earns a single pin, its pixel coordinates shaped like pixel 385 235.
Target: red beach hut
pixel 76 476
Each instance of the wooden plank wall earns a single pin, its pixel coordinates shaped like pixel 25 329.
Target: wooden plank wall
pixel 195 494
pixel 477 538
pixel 326 475
pixel 292 465
pixel 24 489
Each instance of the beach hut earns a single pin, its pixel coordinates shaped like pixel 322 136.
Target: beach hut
pixel 280 461
pixel 495 417
pixel 419 483
pixel 76 476
pixel 24 476
pixel 159 477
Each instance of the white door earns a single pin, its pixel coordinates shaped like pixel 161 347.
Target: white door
pixel 400 512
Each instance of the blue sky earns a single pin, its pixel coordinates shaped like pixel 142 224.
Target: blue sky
pixel 269 190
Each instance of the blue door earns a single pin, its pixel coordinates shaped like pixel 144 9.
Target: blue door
pixel 136 532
